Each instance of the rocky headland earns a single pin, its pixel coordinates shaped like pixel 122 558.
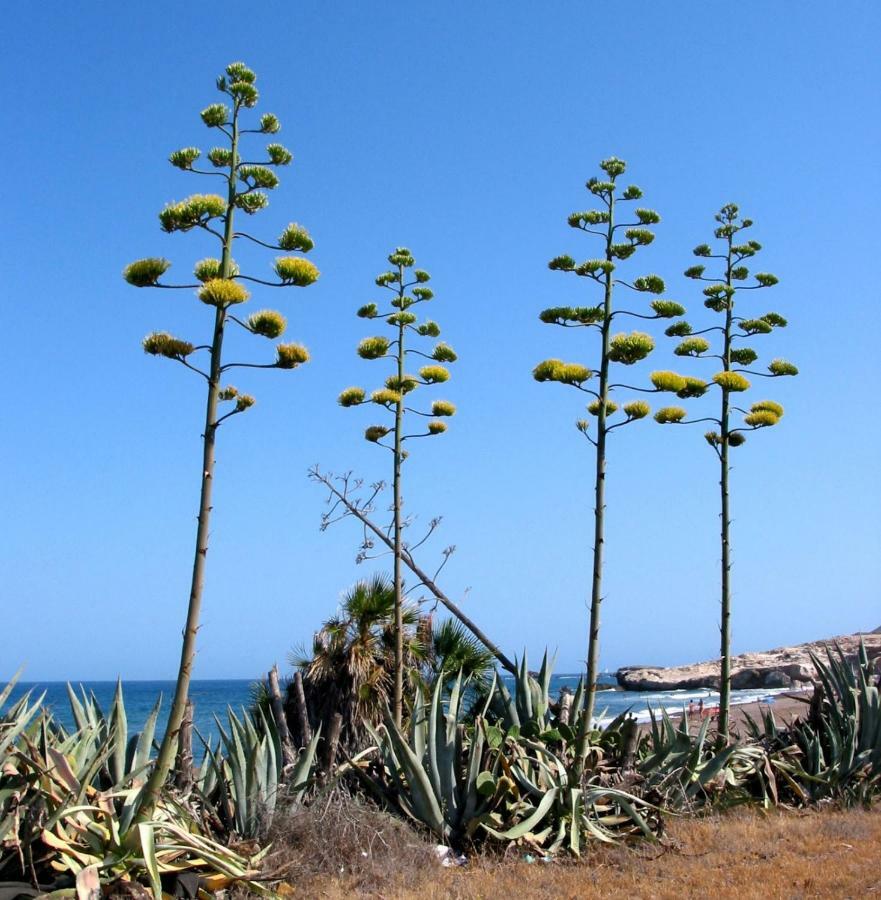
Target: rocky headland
pixel 780 668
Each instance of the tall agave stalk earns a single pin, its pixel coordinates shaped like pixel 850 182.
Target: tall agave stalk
pixel 220 287
pixel 720 296
pixel 620 240
pixel 394 398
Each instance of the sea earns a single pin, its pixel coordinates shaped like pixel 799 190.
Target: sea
pixel 212 698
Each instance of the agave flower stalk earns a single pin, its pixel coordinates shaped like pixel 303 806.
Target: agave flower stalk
pixel 394 398
pixel 620 241
pixel 719 296
pixel 219 285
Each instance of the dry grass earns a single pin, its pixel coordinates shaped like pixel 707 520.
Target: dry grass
pixel 742 855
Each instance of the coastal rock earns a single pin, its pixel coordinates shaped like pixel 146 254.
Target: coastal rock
pixel 779 668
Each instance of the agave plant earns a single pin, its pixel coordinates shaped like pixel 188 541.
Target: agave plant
pixel 243 777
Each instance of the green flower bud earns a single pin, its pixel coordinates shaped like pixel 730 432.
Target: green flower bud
pixel 771 406
pixel 369 311
pixel 206 269
pixel 222 292
pixel 743 356
pixel 713 438
pixel 401 318
pixel 295 237
pixel 243 402
pixel 429 329
pixel 387 278
pixel 401 257
pixel 423 293
pixel 736 439
pixel 421 275
pixel 289 356
pixel 694 271
pixel 296 271
pixel 630 348
pixel 654 284
pixel 385 397
pixel 761 418
pixel 437 427
pixel 161 343
pixel 593 267
pixel 765 279
pixel 228 393
pixel 775 320
pixel 668 381
pixel 373 347
pixel 692 346
pixel 258 176
pixel 195 210
pixel 740 273
pixel 678 329
pixel 267 323
pixel 352 396
pixel 594 407
pixel 642 237
pixel 622 251
pixel 215 115
pixel 269 123
pixel 694 387
pixel 251 203
pixel 782 367
pixel 444 353
pixel 755 326
pixel 376 433
pixel 279 155
pixel 597 187
pixel 637 409
pixel 245 92
pixel 184 159
pixel 647 216
pixel 667 309
pixel 669 415
pixel 702 250
pixel 220 157
pixel 582 425
pixel 434 374
pixel 590 217
pixel 443 408
pixel 562 264
pixel 403 385
pixel 731 381
pixel 632 192
pixel 613 167
pixel 238 71
pixel 146 272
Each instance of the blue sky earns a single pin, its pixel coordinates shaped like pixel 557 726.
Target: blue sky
pixel 466 132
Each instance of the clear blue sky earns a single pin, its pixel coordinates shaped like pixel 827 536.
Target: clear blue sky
pixel 464 131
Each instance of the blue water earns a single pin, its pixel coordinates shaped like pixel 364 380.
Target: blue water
pixel 212 698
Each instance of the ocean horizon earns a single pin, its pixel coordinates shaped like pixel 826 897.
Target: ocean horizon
pixel 213 696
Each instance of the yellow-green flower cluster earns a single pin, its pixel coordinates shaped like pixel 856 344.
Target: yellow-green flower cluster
pixel 289 356
pixel 595 406
pixel 437 427
pixel 267 323
pixel 444 353
pixel 630 348
pixel 731 381
pixel 668 381
pixel 557 370
pixel 279 155
pixel 296 271
pixel 374 433
pixel 692 346
pixel 206 269
pixel 352 396
pixel 443 408
pixel 434 374
pixel 195 210
pixel 637 409
pixel 768 405
pixel 761 418
pixel 694 387
pixel 222 292
pixel 295 237
pixel 667 309
pixel 669 415
pixel 373 347
pixel 402 385
pixel 385 397
pixel 782 367
pixel 161 343
pixel 243 402
pixel 146 272
pixel 184 158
